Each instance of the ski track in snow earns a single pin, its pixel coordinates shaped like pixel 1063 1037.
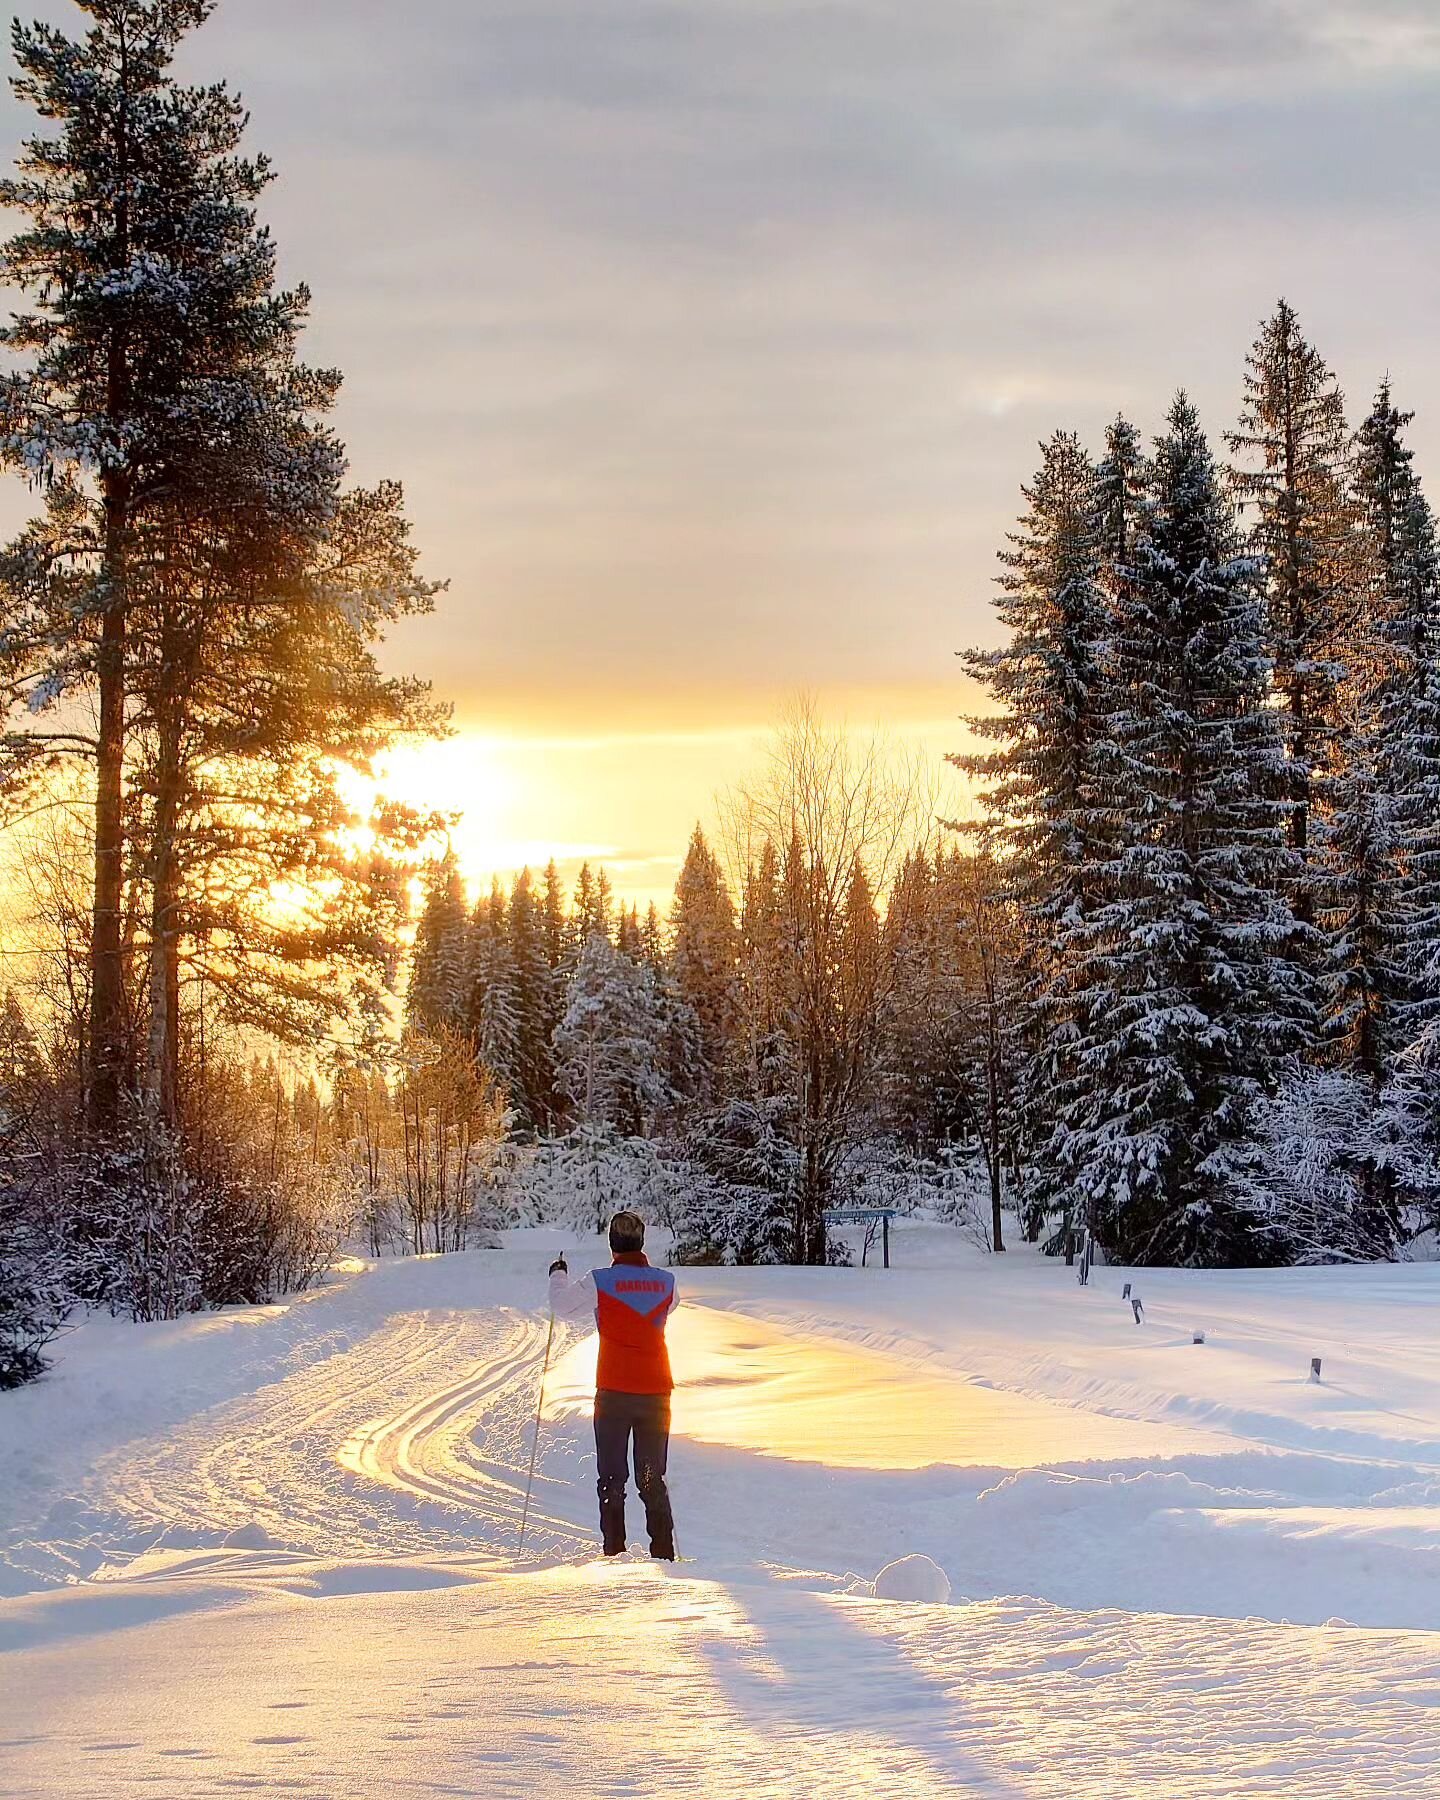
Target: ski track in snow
pixel 374 1450
pixel 369 1446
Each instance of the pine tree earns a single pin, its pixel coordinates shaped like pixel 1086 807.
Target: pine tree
pixel 610 1045
pixel 1193 1007
pixel 703 953
pixel 492 1016
pixel 197 568
pixel 148 280
pixel 440 971
pixel 1404 707
pixel 1295 480
pixel 536 995
pixel 553 909
pixel 1120 486
pixel 1041 795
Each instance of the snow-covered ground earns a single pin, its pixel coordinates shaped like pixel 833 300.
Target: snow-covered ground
pixel 275 1551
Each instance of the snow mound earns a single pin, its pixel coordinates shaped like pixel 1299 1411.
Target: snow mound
pixel 249 1537
pixel 913 1578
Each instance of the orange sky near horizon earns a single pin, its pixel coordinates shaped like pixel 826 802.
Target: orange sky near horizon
pixel 627 798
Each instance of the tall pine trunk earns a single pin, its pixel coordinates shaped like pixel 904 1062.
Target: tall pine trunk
pixel 108 1029
pixel 163 1046
pixel 108 1034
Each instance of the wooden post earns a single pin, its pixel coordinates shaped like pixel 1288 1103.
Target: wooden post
pixel 1314 1368
pixel 885 1234
pixel 1125 1291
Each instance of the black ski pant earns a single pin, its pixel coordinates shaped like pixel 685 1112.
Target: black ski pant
pixel 645 1418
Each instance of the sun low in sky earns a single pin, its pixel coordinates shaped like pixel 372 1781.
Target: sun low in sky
pixel 713 340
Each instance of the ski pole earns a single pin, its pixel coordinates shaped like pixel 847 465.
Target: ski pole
pixel 535 1441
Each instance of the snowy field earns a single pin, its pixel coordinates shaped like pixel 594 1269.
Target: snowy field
pixel 275 1551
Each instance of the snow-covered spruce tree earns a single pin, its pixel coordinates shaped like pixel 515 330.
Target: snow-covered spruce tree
pixel 32 1296
pixel 492 1013
pixel 610 1046
pixel 703 951
pixel 138 257
pixel 1294 483
pixel 33 1301
pixel 1042 813
pixel 440 972
pixel 593 912
pixel 1193 1007
pixel 1361 914
pixel 733 1199
pixel 1405 706
pixel 1120 485
pixel 538 992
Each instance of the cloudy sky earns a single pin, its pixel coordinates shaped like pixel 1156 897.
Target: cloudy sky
pixel 713 338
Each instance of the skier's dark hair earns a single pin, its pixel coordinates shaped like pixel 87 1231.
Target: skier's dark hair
pixel 627 1232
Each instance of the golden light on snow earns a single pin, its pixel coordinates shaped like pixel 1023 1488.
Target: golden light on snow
pixel 754 1386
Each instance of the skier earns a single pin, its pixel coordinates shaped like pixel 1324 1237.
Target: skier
pixel 630 1302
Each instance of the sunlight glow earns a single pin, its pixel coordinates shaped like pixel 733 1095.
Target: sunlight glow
pixel 753 1386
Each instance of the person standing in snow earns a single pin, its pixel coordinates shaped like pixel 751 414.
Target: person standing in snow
pixel 630 1302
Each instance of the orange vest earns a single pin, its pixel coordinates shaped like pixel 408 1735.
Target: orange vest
pixel 632 1305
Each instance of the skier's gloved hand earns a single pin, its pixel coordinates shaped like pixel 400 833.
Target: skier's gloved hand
pixel 560 1266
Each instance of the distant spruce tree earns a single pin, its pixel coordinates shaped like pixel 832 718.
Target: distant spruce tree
pixel 536 1002
pixel 703 945
pixel 629 936
pixel 554 911
pixel 440 970
pixel 1192 1004
pixel 653 939
pixel 492 1016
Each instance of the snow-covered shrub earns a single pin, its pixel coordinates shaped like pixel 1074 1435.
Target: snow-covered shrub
pixel 1332 1166
pixel 732 1184
pixel 33 1295
pixel 159 1227
pixel 579 1180
pixel 957 1182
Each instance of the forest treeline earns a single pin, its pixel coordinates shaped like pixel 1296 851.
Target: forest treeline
pixel 1177 984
